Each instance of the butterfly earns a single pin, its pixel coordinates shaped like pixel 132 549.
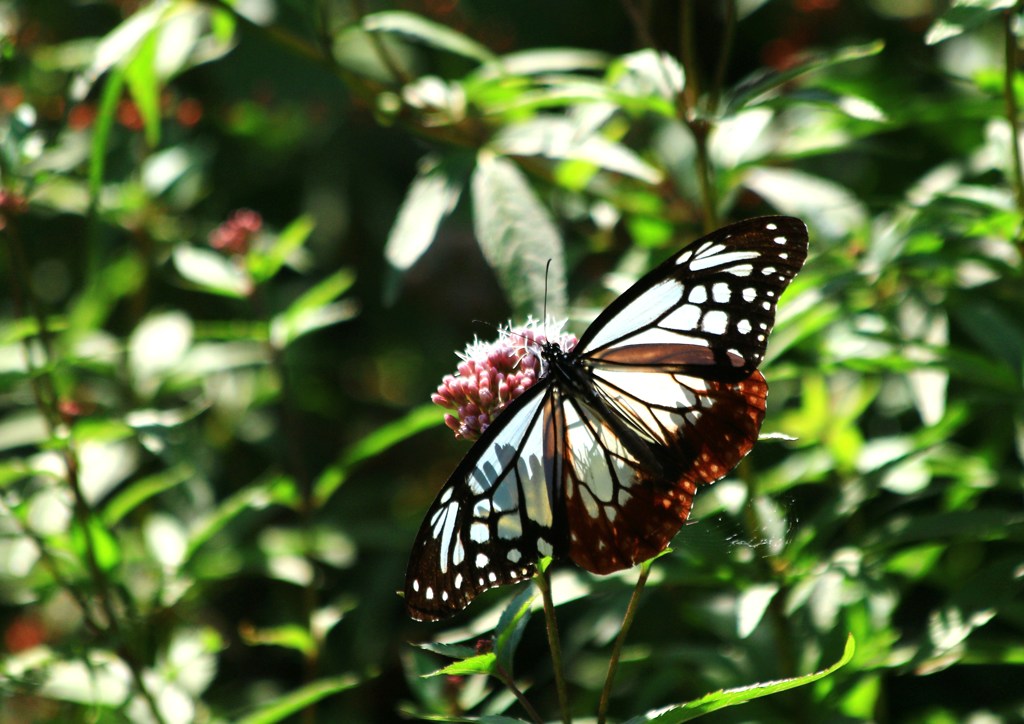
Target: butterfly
pixel 598 462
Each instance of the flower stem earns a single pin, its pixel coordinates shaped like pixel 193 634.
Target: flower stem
pixel 556 648
pixel 627 623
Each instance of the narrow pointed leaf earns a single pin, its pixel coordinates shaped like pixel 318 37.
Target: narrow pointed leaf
pixel 730 697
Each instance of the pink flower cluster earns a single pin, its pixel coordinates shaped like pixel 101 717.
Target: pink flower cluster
pixel 491 375
pixel 233 235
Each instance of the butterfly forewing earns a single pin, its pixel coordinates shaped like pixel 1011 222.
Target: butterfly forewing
pixel 707 310
pixel 494 517
pixel 600 461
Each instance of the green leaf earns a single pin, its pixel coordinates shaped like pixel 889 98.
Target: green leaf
pixel 101 132
pixel 145 86
pixel 380 440
pixel 536 61
pixel 561 139
pixel 278 490
pixel 518 238
pixel 511 625
pixel 484 664
pixel 211 272
pixel 103 545
pixel 764 86
pixel 963 16
pixel 731 697
pixel 289 636
pixel 306 696
pixel 314 310
pixel 265 265
pixel 431 197
pixel 427 32
pixel 138 492
pixel 452 651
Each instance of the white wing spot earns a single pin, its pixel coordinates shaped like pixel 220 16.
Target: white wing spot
pixel 479 533
pixel 458 581
pixel 482 560
pixel 783 255
pixel 544 548
pixel 768 270
pixel 458 552
pixel 721 293
pixel 430 593
pixel 771 293
pixel 741 270
pixel 416 585
pixel 684 319
pixel 698 295
pixel 492 577
pixel 771 227
pixel 716 321
pixel 447 495
pixel 766 306
pixel 743 326
pixel 444 595
pixel 749 294
pixel 514 555
pixel 779 240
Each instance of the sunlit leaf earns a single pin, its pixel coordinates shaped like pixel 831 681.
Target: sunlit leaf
pixel 263 265
pixel 427 32
pixel 731 697
pixel 560 139
pixel 764 85
pixel 518 238
pixel 314 310
pixel 965 15
pixel 290 636
pixel 211 272
pixel 298 699
pixel 431 197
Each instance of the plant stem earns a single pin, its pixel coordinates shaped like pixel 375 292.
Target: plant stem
pixel 1012 111
pixel 507 680
pixel 725 50
pixel 689 112
pixel 556 648
pixel 627 623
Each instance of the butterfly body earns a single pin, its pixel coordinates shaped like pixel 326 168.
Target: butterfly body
pixel 599 461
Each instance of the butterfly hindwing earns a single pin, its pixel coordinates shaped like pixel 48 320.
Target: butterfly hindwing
pixel 697 429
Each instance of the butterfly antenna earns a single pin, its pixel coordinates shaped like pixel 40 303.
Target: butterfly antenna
pixel 547 273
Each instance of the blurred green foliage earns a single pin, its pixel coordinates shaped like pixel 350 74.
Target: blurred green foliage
pixel 215 452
